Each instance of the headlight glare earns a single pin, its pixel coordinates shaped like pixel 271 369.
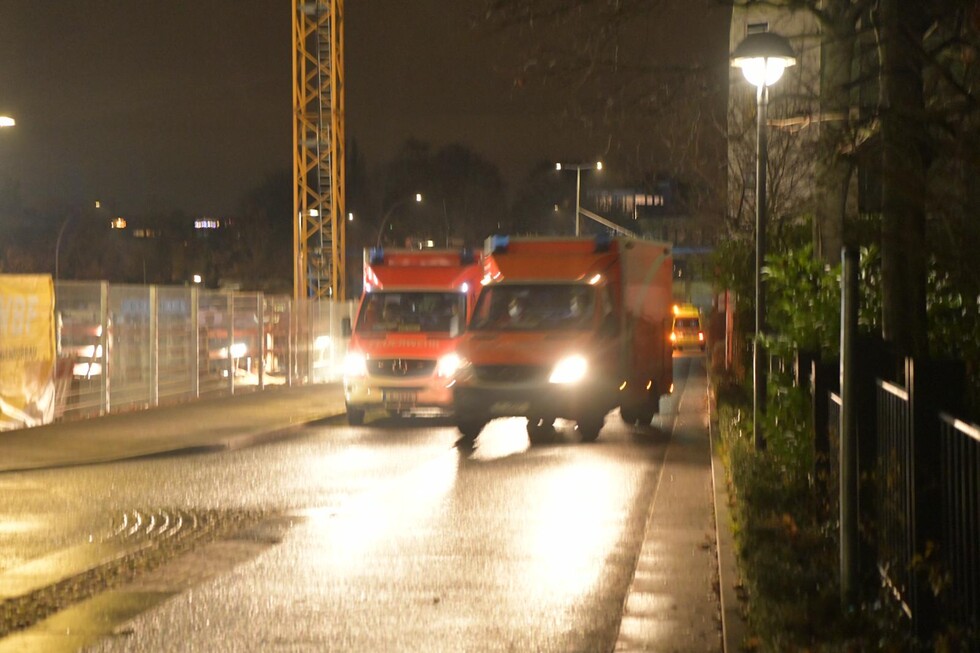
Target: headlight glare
pixel 570 369
pixel 448 365
pixel 355 364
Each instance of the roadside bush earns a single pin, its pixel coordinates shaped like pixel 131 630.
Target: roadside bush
pixel 786 553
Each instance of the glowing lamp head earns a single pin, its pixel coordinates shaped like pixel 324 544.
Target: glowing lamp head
pixel 763 57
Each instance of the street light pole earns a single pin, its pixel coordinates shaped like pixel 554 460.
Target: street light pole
pixel 578 168
pixel 759 378
pixel 762 57
pixel 57 247
pixel 391 209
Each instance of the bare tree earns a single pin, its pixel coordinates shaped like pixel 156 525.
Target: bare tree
pixel 639 77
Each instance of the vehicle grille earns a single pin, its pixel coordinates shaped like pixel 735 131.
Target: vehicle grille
pixel 511 373
pixel 399 368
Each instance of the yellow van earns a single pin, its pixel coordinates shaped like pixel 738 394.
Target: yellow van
pixel 686 332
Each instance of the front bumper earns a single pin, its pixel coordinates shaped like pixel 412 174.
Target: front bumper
pixel 548 400
pixel 401 395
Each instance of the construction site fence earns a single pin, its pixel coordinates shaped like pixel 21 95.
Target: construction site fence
pixel 131 347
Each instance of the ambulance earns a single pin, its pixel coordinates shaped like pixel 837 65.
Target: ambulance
pixel 409 321
pixel 566 328
pixel 686 331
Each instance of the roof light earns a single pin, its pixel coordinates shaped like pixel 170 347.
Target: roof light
pixel 497 244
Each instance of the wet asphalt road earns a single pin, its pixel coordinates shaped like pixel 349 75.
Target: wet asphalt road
pixel 382 537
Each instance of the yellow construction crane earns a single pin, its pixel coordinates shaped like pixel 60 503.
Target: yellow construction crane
pixel 319 231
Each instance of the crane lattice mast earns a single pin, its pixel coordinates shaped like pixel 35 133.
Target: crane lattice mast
pixel 318 149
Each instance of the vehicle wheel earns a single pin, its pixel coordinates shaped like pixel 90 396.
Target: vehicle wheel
pixel 652 404
pixel 629 413
pixel 646 412
pixel 540 429
pixel 355 416
pixel 589 427
pixel 469 428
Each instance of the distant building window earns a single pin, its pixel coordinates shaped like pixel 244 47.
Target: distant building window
pixel 649 200
pixel 207 223
pixel 145 233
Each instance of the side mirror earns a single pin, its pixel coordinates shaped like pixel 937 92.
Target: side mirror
pixel 345 327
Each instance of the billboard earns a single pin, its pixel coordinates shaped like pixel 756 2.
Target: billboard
pixel 27 350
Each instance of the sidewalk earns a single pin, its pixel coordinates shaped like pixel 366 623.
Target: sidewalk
pixel 680 599
pixel 228 422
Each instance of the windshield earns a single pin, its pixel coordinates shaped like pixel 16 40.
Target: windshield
pixel 534 307
pixel 408 312
pixel 687 323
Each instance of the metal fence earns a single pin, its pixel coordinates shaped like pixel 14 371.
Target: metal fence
pixel 125 347
pixel 895 488
pixel 920 486
pixel 960 457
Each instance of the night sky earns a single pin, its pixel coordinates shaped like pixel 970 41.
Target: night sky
pixel 185 105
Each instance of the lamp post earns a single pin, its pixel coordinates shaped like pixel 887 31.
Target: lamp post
pixel 115 223
pixel 762 57
pixel 391 209
pixel 578 168
pixel 57 247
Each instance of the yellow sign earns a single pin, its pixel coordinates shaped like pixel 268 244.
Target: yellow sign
pixel 27 350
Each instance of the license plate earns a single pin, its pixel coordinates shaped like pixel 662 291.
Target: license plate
pixel 400 396
pixel 510 407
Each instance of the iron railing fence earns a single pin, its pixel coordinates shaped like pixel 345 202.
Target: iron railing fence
pixel 126 347
pixel 920 484
pixel 830 472
pixel 960 460
pixel 895 493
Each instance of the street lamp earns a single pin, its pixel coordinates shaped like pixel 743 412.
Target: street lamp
pixel 57 242
pixel 578 168
pixel 762 57
pixel 391 209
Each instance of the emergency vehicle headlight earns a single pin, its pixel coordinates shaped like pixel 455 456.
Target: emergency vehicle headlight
pixel 570 369
pixel 448 365
pixel 355 364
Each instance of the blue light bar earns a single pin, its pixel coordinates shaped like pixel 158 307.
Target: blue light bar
pixel 497 244
pixel 603 241
pixel 376 255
